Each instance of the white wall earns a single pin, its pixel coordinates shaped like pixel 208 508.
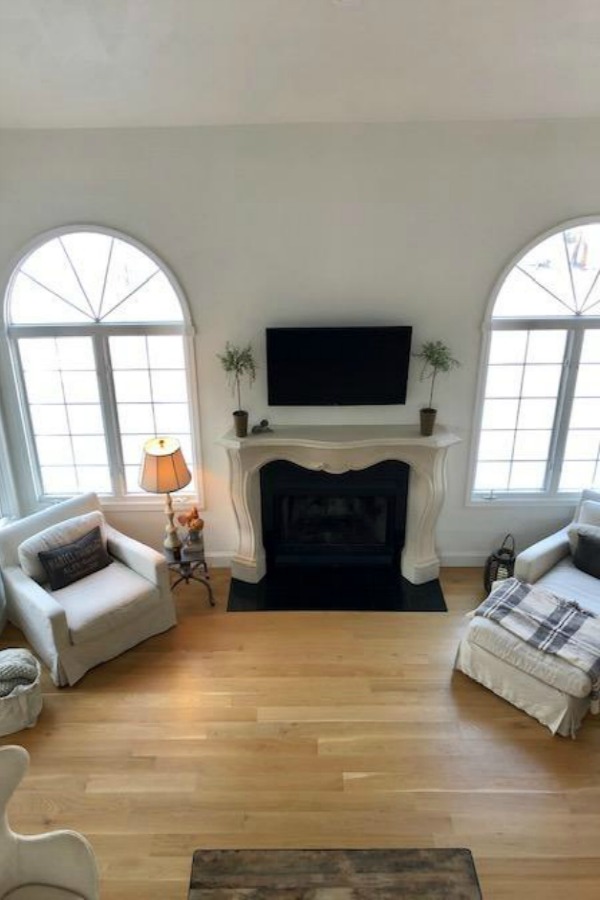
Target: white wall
pixel 276 225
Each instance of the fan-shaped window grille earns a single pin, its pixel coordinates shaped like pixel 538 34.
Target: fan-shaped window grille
pixel 99 334
pixel 540 410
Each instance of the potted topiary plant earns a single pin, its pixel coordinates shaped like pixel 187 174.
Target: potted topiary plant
pixel 436 358
pixel 238 363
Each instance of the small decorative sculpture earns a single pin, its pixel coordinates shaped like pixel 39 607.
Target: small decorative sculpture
pixel 262 427
pixel 194 524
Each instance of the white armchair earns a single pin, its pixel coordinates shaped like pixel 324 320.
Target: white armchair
pixel 97 618
pixel 55 866
pixel 550 563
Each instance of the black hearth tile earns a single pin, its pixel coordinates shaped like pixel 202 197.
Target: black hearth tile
pixel 329 589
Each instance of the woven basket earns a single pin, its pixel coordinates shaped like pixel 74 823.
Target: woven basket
pixel 21 708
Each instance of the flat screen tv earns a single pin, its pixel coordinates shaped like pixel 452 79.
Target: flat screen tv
pixel 364 366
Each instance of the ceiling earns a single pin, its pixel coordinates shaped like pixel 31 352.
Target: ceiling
pixel 136 63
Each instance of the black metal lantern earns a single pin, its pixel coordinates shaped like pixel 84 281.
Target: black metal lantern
pixel 500 564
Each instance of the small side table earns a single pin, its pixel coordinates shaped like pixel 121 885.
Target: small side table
pixel 188 563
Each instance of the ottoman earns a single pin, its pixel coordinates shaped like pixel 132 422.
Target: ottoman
pixel 544 686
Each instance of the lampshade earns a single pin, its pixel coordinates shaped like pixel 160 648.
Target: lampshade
pixel 163 466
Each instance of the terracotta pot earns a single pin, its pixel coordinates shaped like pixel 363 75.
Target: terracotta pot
pixel 427 421
pixel 240 421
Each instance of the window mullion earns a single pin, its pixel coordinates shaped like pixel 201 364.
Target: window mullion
pixel 560 431
pixel 109 414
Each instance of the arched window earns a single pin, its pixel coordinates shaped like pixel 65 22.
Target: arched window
pixel 100 339
pixel 540 406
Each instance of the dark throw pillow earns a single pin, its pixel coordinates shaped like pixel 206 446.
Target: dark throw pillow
pixel 587 554
pixel 71 562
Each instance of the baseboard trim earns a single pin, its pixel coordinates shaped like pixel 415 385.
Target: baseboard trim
pixel 219 559
pixel 456 559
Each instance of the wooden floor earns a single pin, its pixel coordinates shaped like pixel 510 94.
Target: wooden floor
pixel 309 730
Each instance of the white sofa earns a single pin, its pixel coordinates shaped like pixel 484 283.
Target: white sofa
pixel 96 618
pixel 546 687
pixel 549 562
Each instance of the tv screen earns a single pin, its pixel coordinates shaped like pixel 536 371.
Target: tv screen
pixel 338 366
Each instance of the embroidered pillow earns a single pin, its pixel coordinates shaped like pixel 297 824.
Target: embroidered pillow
pixel 56 536
pixel 65 565
pixel 587 554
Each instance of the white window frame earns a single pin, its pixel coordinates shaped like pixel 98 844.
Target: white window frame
pixel 100 334
pixel 9 503
pixel 575 326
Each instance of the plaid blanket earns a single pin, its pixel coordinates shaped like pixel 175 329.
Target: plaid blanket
pixel 548 623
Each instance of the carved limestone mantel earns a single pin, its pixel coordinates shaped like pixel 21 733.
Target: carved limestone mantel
pixel 337 449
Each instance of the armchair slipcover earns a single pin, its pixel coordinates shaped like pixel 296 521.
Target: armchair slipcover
pixel 55 866
pixel 96 618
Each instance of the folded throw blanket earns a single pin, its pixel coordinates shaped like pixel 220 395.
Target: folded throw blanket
pixel 548 623
pixel 18 668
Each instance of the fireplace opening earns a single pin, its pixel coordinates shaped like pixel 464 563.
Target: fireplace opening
pixel 350 520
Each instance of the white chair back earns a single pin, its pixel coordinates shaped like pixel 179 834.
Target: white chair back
pixel 12 535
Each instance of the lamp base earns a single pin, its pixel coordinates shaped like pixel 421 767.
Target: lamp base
pixel 171 541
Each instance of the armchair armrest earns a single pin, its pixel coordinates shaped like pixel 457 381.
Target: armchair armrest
pixel 137 556
pixel 538 559
pixel 35 609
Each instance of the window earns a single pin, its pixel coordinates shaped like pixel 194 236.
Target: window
pixel 103 359
pixel 540 407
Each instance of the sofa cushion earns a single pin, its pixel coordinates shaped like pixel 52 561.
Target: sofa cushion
pixel 587 554
pixel 72 562
pixel 567 581
pixel 578 528
pixel 105 601
pixel 589 513
pixel 56 536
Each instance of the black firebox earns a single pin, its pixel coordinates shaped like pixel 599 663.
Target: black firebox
pixel 316 519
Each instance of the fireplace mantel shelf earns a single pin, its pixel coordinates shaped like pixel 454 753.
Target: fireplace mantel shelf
pixel 341 437
pixel 335 449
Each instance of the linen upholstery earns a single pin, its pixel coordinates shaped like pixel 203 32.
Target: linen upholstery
pixel 577 529
pixel 589 513
pixel 112 597
pixel 57 536
pixel 551 670
pixel 550 562
pixel 45 621
pixel 488 654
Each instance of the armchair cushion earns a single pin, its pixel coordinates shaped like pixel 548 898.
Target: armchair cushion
pixel 57 536
pixel 106 602
pixel 72 562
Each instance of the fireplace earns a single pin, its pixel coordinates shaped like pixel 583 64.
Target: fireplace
pixel 353 519
pixel 319 540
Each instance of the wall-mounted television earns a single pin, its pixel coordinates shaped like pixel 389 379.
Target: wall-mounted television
pixel 346 366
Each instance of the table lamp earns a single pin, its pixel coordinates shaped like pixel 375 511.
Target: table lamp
pixel 163 471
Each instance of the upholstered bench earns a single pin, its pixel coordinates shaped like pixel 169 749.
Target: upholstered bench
pixel 546 687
